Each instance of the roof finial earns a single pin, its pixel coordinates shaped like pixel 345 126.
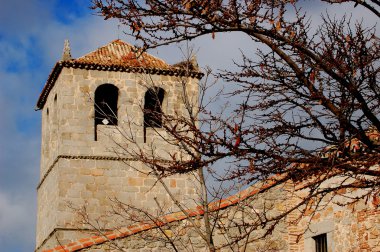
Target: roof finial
pixel 66 51
pixel 194 62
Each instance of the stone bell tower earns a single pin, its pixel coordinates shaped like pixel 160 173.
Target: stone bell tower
pixel 85 104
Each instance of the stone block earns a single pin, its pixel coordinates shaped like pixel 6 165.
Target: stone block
pixel 131 189
pixel 101 180
pixel 173 183
pixel 73 194
pixel 149 182
pixel 98 74
pixel 97 172
pixel 82 72
pixel 145 189
pixel 135 181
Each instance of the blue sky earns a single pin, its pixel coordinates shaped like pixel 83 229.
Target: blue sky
pixel 31 41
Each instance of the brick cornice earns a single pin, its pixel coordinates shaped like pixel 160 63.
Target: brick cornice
pixel 172 71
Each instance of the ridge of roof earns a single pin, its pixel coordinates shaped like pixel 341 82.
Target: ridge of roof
pixel 115 56
pixel 83 243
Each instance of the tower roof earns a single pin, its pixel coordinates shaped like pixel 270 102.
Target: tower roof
pixel 117 56
pixel 121 53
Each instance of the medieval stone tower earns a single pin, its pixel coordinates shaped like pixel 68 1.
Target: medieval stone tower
pixel 85 104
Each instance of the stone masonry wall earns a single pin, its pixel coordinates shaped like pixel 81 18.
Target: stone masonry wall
pixel 77 169
pixel 351 232
pixel 350 228
pixel 233 221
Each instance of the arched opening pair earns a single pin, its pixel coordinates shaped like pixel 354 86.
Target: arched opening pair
pixel 106 99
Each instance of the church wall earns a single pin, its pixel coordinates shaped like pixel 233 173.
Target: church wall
pixel 48 200
pixel 77 170
pixel 50 137
pixel 352 228
pixel 96 184
pixel 77 125
pixel 231 223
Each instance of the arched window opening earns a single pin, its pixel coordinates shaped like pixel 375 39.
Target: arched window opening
pixel 153 107
pixel 154 98
pixel 106 96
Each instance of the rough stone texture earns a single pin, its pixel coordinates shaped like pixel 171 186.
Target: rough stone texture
pixel 232 221
pixel 351 228
pixel 74 167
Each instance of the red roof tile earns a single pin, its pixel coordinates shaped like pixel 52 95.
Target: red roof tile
pixel 121 53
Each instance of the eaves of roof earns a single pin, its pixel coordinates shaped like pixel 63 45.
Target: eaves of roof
pixel 119 68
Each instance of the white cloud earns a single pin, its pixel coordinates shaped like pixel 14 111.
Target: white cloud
pixel 17 220
pixel 85 35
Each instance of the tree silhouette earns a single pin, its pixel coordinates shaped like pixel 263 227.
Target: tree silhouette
pixel 309 105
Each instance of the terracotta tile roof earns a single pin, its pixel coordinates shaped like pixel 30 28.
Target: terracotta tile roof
pixel 353 145
pixel 116 56
pixel 123 54
pixel 162 221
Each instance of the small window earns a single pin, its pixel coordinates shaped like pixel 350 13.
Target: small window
pixel 106 97
pixel 153 107
pixel 320 243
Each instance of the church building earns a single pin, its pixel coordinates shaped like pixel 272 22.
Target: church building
pixel 99 111
pixel 87 106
